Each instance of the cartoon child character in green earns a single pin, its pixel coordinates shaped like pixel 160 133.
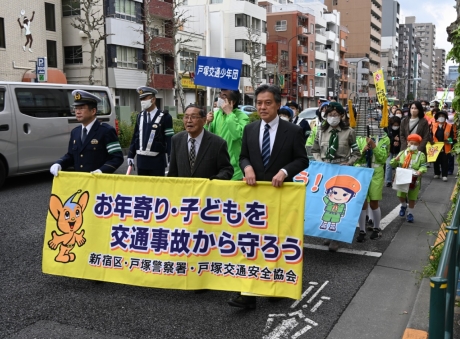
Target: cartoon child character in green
pixel 339 191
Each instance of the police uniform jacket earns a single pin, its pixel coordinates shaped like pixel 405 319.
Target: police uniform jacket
pixel 100 150
pixel 161 143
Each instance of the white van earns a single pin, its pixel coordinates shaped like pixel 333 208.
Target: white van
pixel 35 124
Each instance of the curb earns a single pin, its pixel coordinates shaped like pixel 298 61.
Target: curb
pixel 417 326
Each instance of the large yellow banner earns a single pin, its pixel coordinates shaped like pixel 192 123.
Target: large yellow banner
pixel 379 83
pixel 176 233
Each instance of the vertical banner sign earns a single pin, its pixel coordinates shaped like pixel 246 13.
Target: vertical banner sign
pixel 432 151
pixel 379 82
pixel 42 69
pixel 176 233
pixel 335 196
pixel 218 72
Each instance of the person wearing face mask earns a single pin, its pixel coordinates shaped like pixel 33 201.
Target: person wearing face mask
pixel 228 122
pixel 411 158
pixel 393 110
pixel 320 112
pixel 335 143
pixel 151 140
pixel 298 121
pixel 416 124
pixel 442 131
pixel 398 113
pixel 285 113
pixel 395 147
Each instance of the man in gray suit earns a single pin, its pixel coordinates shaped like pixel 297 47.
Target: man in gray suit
pixel 272 150
pixel 197 153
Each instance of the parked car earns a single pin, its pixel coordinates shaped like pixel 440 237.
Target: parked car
pixel 248 109
pixel 309 114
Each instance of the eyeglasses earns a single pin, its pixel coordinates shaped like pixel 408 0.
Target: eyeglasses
pixel 191 117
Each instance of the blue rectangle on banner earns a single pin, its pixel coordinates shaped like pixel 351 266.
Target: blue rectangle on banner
pixel 218 72
pixel 334 200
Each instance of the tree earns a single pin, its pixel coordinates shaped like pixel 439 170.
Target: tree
pixel 254 51
pixel 91 22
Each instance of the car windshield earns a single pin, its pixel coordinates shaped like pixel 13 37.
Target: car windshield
pixel 309 113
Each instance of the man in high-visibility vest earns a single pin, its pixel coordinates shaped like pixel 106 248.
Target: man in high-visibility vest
pixel 442 131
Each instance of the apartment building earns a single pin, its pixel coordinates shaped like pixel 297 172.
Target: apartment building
pixel 387 61
pixel 45 26
pixel 291 40
pixel 363 18
pixel 225 25
pixel 439 67
pixel 452 74
pixel 390 33
pixel 343 66
pixel 408 66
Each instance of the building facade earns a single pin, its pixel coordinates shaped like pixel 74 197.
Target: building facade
pixel 390 36
pixel 343 66
pixel 44 29
pixel 363 18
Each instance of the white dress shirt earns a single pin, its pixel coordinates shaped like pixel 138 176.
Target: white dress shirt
pixel 88 127
pixel 197 142
pixel 152 113
pixel 272 131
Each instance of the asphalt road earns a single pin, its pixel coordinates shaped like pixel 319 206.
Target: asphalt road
pixel 35 305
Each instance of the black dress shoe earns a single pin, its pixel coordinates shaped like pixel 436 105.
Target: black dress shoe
pixel 243 301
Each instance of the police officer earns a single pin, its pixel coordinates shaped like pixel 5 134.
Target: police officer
pixel 298 121
pixel 93 146
pixel 152 136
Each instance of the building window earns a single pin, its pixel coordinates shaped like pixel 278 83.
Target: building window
pixel 312 46
pixel 125 9
pixel 284 58
pixel 49 17
pixel 264 50
pixel 241 45
pixel 159 65
pixel 2 33
pixel 73 55
pixel 70 7
pixel 188 61
pixel 126 57
pixel 311 64
pixel 264 27
pixel 217 1
pixel 281 26
pixel 335 3
pixel 242 20
pixel 51 53
pixel 246 71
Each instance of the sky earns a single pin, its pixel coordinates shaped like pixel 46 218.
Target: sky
pixel 439 12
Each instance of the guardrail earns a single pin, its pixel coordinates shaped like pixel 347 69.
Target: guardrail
pixel 444 284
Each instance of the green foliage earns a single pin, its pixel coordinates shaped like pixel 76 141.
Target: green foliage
pixel 454 55
pixel 134 118
pixel 254 116
pixel 126 131
pixel 178 125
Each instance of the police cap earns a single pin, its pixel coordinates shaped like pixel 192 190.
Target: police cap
pixel 145 91
pixel 83 98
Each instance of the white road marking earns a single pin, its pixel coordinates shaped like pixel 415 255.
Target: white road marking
pixel 344 250
pixel 390 217
pixel 282 330
pixel 299 313
pixel 304 294
pixel 317 292
pixel 276 315
pixel 302 331
pixel 317 305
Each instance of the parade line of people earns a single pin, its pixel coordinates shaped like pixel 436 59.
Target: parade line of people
pixel 223 145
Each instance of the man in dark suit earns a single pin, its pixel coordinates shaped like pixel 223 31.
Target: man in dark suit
pixel 273 150
pixel 197 153
pixel 93 146
pixel 151 140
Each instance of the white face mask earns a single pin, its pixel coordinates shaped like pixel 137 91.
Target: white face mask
pixel 220 102
pixel 441 119
pixel 145 104
pixel 413 147
pixel 333 121
pixel 399 115
pixel 284 117
pixel 395 128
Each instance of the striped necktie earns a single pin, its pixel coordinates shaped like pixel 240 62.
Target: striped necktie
pixel 266 145
pixel 192 154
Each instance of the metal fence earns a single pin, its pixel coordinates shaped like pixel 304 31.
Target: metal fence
pixel 444 284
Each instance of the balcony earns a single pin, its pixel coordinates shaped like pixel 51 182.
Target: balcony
pixel 343 49
pixel 330 54
pixel 376 21
pixel 331 36
pixel 320 22
pixel 320 39
pixel 161 9
pixel 302 30
pixel 310 93
pixel 302 50
pixel 375 45
pixel 343 96
pixel 376 10
pixel 320 56
pixel 343 63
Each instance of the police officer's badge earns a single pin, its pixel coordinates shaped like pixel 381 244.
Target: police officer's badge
pixel 77 96
pixel 94 142
pixel 141 91
pixel 155 126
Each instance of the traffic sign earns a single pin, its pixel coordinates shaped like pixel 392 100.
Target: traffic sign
pixel 42 69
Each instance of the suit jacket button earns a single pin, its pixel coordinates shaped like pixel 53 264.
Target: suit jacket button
pixel 94 148
pixel 81 155
pixel 81 166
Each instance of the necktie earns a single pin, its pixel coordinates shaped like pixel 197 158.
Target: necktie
pixel 84 134
pixel 266 145
pixel 148 117
pixel 192 154
pixel 333 145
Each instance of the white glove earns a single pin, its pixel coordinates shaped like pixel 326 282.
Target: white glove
pixel 55 169
pixel 130 161
pixel 96 171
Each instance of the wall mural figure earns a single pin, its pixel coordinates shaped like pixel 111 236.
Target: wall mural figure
pixel 26 26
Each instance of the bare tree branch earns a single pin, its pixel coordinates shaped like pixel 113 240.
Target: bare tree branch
pixel 254 50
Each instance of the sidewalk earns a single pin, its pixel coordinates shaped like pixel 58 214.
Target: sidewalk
pixel 393 302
